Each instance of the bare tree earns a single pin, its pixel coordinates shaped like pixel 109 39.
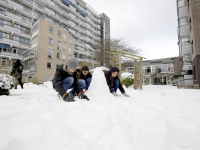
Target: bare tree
pixel 107 46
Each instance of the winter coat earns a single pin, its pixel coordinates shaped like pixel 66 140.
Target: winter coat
pixel 107 75
pixel 82 76
pixel 59 76
pixel 18 67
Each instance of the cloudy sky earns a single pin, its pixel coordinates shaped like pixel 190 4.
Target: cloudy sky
pixel 148 25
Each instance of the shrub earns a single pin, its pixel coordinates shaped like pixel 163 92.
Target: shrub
pixel 6 83
pixel 128 81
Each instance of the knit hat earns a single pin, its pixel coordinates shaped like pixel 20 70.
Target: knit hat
pixel 72 62
pixel 85 68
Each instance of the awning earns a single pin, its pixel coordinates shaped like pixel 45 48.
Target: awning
pixel 67 2
pixel 4 45
pixel 84 14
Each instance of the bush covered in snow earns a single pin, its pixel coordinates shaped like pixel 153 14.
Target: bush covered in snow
pixel 6 83
pixel 128 81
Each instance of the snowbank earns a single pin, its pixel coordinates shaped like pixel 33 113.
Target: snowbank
pixel 156 118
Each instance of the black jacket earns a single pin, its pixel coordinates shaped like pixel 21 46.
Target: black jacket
pixel 18 67
pixel 82 76
pixel 107 75
pixel 59 76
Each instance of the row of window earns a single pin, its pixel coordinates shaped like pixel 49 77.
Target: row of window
pixel 50 54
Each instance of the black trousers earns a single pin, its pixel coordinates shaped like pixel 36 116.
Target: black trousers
pixel 20 82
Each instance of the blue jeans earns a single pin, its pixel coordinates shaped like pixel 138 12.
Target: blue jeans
pixel 116 85
pixel 87 84
pixel 68 84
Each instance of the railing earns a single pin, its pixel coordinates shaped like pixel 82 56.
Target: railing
pixel 30 54
pixel 187 86
pixel 38 5
pixel 9 54
pixel 29 1
pixel 13 41
pixel 18 18
pixel 13 28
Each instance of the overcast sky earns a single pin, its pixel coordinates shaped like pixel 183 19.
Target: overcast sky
pixel 149 25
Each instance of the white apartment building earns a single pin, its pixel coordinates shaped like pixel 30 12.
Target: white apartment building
pixel 18 19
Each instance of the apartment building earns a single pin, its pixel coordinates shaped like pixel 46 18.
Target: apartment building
pixel 105 27
pixel 159 71
pixel 18 23
pixel 188 39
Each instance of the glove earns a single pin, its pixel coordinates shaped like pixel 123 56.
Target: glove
pixel 114 94
pixel 68 97
pixel 126 95
pixel 82 96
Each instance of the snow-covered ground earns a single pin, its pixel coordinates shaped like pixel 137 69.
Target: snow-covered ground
pixel 156 118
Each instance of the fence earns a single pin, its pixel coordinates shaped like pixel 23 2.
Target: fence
pixel 187 86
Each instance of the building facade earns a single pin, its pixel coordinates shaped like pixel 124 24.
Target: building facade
pixel 160 71
pixel 74 18
pixel 188 39
pixel 105 27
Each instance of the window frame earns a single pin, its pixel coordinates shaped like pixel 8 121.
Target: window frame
pixel 47 65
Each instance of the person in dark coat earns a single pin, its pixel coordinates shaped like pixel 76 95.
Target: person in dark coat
pixel 17 69
pixel 85 75
pixel 113 81
pixel 66 78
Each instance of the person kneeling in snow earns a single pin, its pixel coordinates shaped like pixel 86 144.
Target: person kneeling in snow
pixel 66 78
pixel 114 82
pixel 85 75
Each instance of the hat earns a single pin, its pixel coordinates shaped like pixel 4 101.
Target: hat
pixel 85 68
pixel 72 62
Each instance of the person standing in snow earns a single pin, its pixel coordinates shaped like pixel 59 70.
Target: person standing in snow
pixel 17 71
pixel 113 81
pixel 85 75
pixel 66 78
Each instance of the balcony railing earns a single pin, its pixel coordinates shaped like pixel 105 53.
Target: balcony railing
pixel 24 20
pixel 49 11
pixel 30 54
pixel 13 28
pixel 12 55
pixel 29 1
pixel 50 2
pixel 20 43
pixel 38 5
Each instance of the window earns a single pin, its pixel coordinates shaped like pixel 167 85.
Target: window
pixel 50 53
pixel 59 33
pixel 48 78
pixel 35 28
pixel 51 29
pixel 63 56
pixel 190 24
pixel 58 55
pixel 51 41
pixel 7 23
pixel 70 41
pixel 5 35
pixel 70 51
pixel 64 37
pixel 49 65
pixel 59 45
pixel 15 50
pixel 64 47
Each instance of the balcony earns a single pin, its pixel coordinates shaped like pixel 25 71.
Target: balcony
pixel 87 46
pixel 24 20
pixel 17 43
pixel 184 30
pixel 183 12
pixel 50 3
pixel 38 5
pixel 49 11
pixel 72 8
pixel 15 4
pixel 9 28
pixel 186 49
pixel 11 55
pixel 30 55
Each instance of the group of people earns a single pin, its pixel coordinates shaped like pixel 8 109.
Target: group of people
pixel 67 77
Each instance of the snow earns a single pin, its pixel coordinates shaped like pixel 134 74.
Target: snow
pixel 156 118
pixel 126 74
